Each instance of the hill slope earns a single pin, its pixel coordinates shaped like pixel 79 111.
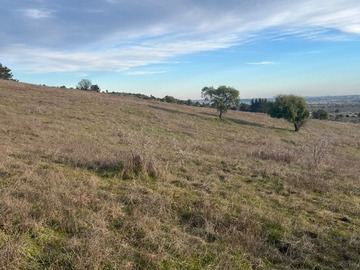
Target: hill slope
pixel 96 181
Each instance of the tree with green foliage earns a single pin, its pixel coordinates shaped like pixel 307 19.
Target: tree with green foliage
pixel 95 88
pixel 170 99
pixel 320 114
pixel 260 105
pixel 245 107
pixel 5 73
pixel 188 102
pixel 290 107
pixel 222 98
pixel 84 84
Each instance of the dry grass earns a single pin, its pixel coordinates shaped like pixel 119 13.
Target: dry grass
pixel 96 181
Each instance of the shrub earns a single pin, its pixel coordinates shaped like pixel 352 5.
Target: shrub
pixel 320 114
pixel 95 88
pixel 170 99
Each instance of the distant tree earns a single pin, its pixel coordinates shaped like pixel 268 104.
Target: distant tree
pixel 95 88
pixel 170 99
pixel 189 102
pixel 5 73
pixel 292 108
pixel 181 102
pixel 222 98
pixel 245 107
pixel 260 105
pixel 321 114
pixel 84 84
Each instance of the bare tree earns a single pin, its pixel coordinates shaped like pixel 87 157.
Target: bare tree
pixel 84 84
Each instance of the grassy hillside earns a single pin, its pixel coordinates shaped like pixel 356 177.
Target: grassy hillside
pixel 96 181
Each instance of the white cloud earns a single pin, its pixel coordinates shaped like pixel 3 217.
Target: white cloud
pixel 308 52
pixel 262 63
pixel 115 59
pixel 38 13
pixel 352 28
pixel 145 72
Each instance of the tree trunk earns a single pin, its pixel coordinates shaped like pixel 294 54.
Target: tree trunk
pixel 220 114
pixel 297 127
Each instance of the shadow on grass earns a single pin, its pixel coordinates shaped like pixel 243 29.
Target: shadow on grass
pixel 234 120
pixel 173 111
pixel 247 123
pixel 238 121
pixel 209 114
pixel 282 129
pixel 255 124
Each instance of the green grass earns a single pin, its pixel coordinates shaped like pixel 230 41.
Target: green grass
pixel 97 181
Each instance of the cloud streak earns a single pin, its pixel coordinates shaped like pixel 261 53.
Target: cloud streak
pixel 37 14
pixel 113 59
pixel 262 63
pixel 139 73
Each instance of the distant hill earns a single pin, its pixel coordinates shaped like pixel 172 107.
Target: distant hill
pixel 350 99
pixel 99 181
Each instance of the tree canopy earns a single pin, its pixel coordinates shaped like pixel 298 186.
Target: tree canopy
pixel 222 98
pixel 292 108
pixel 95 88
pixel 321 114
pixel 170 99
pixel 260 105
pixel 84 84
pixel 5 73
pixel 87 85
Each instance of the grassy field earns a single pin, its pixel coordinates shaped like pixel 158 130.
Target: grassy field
pixel 98 181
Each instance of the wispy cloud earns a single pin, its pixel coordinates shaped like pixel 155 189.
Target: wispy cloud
pixel 34 13
pixel 262 63
pixel 308 52
pixel 112 1
pixel 137 73
pixel 109 59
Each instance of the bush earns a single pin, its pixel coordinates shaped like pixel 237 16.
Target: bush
pixel 170 99
pixel 95 88
pixel 320 114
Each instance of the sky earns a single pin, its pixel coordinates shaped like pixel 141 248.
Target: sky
pixel 176 47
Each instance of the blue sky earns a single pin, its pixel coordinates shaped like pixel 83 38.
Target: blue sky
pixel 176 47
